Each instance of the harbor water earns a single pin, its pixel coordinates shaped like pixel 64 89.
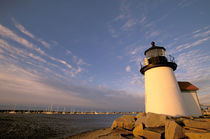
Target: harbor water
pixel 51 125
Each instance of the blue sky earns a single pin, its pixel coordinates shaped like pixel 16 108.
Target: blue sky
pixel 86 53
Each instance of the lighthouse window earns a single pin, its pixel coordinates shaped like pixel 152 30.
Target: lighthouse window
pixel 155 53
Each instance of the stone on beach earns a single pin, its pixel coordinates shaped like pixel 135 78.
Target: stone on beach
pixel 153 133
pixel 173 130
pixel 124 122
pixel 138 130
pixel 156 126
pixel 202 124
pixel 141 117
pixel 155 120
pixel 195 129
pixel 197 135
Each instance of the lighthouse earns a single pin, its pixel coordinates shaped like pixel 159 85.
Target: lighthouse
pixel 162 92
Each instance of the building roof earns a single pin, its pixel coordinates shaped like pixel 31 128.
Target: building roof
pixel 187 86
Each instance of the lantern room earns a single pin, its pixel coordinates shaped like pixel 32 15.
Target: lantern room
pixel 156 56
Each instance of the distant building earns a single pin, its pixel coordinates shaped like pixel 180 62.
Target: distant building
pixel 190 98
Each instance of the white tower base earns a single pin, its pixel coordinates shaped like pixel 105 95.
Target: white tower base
pixel 162 93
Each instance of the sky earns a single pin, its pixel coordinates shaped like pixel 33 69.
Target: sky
pixel 87 54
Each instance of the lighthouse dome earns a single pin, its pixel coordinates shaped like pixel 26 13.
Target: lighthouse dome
pixel 154 51
pixel 156 56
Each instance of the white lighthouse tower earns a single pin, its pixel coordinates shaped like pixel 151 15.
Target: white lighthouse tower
pixel 162 93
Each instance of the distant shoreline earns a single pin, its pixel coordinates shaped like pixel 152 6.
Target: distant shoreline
pixel 59 112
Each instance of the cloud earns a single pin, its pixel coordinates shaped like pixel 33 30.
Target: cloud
pixel 44 43
pixel 202 34
pixel 120 17
pixel 37 58
pixel 81 62
pixel 128 69
pixel 68 52
pixel 7 33
pixel 143 19
pixel 22 56
pixel 25 87
pixel 128 24
pixel 26 32
pixel 189 45
pixel 112 31
pixel 193 67
pixel 185 3
pixel 18 52
pixel 190 65
pixel 137 79
pixel 204 99
pixel 154 33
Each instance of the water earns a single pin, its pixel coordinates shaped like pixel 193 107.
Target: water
pixel 51 126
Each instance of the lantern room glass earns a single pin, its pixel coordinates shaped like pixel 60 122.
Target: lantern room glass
pixel 155 53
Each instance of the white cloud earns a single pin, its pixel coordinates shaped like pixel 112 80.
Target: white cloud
pixel 25 87
pixel 189 45
pixel 37 58
pixel 204 99
pixel 26 32
pixel 143 19
pixel 196 31
pixel 185 3
pixel 202 34
pixel 15 51
pixel 129 24
pixel 135 51
pixel 128 69
pixel 120 17
pixel 22 29
pixel 191 68
pixel 137 79
pixel 7 33
pixel 44 43
pixel 154 33
pixel 68 52
pixel 112 31
pixel 18 52
pixel 80 62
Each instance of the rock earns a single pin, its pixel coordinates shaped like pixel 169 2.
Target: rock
pixel 195 129
pixel 155 120
pixel 197 135
pixel 140 115
pixel 137 138
pixel 153 133
pixel 140 120
pixel 138 130
pixel 208 120
pixel 202 124
pixel 203 119
pixel 173 130
pixel 125 122
pixel 188 117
